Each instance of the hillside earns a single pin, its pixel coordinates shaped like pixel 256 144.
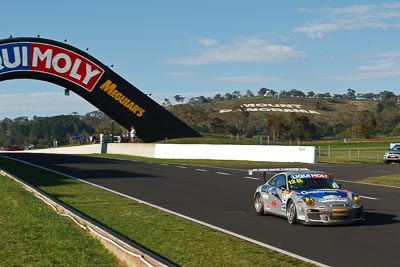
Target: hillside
pixel 311 118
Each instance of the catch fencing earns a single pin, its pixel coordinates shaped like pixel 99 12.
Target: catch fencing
pixel 327 153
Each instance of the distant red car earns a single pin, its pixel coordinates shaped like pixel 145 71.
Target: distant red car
pixel 12 148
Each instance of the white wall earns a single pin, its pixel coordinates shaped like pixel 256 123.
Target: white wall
pixel 237 152
pixel 305 154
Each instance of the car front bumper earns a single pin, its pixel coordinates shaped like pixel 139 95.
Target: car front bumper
pixel 334 216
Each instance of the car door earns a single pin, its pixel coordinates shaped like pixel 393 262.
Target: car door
pixel 278 205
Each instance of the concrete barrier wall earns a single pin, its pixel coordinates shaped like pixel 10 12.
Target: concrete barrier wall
pixel 142 150
pixel 237 152
pixel 305 154
pixel 83 149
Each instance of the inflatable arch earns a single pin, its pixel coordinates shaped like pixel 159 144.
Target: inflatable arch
pixel 74 69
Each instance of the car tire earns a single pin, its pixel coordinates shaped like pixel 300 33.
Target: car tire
pixel 386 162
pixel 291 213
pixel 258 204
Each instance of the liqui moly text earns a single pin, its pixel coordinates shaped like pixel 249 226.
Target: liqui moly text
pixel 51 59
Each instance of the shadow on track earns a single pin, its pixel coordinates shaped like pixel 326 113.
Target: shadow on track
pixel 374 218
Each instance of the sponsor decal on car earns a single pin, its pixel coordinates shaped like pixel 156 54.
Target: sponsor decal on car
pixel 332 198
pixel 309 175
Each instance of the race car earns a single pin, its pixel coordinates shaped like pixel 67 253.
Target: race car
pixel 306 196
pixel 392 154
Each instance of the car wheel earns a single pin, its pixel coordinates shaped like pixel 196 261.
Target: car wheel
pixel 258 204
pixel 386 162
pixel 291 213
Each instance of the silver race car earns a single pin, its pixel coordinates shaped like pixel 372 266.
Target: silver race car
pixel 306 196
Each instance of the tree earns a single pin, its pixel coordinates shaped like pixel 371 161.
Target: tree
pixel 366 124
pixel 351 94
pixel 262 91
pixel 236 94
pixel 218 126
pixel 284 93
pixel 166 102
pixel 228 96
pixel 218 97
pixel 275 125
pixel 249 93
pixel 179 98
pixel 296 93
pixel 396 130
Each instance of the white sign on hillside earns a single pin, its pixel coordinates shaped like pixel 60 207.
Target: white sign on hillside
pixel 263 107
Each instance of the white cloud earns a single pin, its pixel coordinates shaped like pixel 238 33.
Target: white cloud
pixel 382 65
pixel 353 17
pixel 245 50
pixel 208 41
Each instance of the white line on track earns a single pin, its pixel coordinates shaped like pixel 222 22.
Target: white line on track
pixel 380 185
pixel 182 167
pixel 200 170
pixel 223 173
pixel 373 198
pixel 251 178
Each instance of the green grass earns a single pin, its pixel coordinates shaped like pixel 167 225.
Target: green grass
pixel 391 180
pixel 180 241
pixel 32 234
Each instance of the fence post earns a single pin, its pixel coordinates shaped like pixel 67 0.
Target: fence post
pixel 329 151
pixel 349 154
pixel 358 155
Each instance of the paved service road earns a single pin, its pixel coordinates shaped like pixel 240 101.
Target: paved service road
pixel 224 197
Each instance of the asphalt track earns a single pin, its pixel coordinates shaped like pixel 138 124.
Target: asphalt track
pixel 223 197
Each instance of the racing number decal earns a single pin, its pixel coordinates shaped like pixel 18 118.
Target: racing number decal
pixel 295 181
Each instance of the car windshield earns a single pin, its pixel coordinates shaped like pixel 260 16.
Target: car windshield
pixel 312 183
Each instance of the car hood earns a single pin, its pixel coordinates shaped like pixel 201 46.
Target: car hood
pixel 393 151
pixel 325 195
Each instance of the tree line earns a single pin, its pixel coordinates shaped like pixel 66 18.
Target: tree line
pixel 45 131
pixel 293 93
pixel 202 114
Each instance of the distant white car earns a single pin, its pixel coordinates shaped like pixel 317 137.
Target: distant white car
pixel 392 154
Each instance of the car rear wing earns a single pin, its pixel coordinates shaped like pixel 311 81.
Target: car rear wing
pixel 264 171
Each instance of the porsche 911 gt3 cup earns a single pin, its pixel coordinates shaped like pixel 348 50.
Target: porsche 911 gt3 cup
pixel 307 196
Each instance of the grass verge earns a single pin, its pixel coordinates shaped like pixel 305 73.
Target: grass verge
pixel 180 241
pixel 32 234
pixel 391 180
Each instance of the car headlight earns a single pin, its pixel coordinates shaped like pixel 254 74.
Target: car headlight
pixel 356 199
pixel 308 200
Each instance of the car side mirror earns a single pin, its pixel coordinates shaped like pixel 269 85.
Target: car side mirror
pixel 340 185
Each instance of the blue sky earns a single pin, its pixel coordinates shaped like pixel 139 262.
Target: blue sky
pixel 194 48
